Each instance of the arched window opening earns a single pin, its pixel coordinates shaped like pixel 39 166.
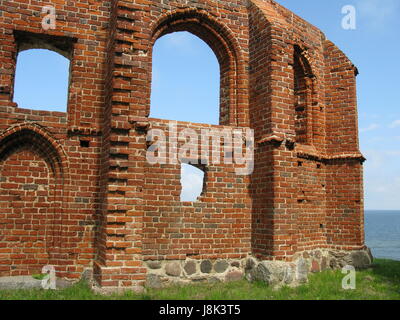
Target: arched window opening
pixel 193 183
pixel 42 74
pixel 186 80
pixel 302 97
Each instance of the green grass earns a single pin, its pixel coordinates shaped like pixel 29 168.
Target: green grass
pixel 381 282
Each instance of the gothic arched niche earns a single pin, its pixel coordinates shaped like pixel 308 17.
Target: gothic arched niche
pixel 30 201
pixel 303 91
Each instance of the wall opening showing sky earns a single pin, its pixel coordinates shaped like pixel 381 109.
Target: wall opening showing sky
pixel 186 80
pixel 41 80
pixel 192 181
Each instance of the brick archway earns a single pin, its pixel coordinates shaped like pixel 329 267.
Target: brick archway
pixel 32 176
pixel 304 87
pixel 223 44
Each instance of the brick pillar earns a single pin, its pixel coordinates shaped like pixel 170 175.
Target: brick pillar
pixel 345 207
pixel 119 240
pixel 272 117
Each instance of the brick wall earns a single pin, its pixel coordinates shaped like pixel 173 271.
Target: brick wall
pixel 77 190
pixel 216 226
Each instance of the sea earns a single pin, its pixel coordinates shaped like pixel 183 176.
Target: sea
pixel 382 233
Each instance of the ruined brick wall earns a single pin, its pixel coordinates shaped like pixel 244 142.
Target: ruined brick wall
pixel 77 190
pixel 57 228
pixel 217 226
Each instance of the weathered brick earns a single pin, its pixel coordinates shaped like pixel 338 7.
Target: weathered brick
pixel 76 190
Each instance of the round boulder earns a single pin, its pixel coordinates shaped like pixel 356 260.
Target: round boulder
pixel 154 265
pixel 190 268
pixel 234 276
pixel 221 266
pixel 173 269
pixel 206 266
pixel 153 281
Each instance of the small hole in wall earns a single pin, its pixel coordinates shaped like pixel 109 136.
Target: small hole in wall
pixel 299 164
pixel 85 143
pixel 192 254
pixel 321 226
pixel 318 166
pixel 192 181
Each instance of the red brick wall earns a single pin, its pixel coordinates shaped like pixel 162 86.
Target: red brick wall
pixel 27 209
pixel 217 226
pixel 112 209
pixel 82 27
pixel 345 205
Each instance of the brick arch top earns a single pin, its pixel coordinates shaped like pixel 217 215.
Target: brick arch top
pixel 224 45
pixel 200 20
pixel 304 59
pixel 26 133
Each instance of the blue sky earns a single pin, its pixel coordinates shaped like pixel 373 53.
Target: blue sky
pixel 186 85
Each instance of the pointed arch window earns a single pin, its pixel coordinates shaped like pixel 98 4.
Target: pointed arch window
pixel 303 97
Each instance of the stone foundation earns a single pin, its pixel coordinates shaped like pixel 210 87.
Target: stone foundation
pixel 275 273
pixel 278 273
pixel 164 273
